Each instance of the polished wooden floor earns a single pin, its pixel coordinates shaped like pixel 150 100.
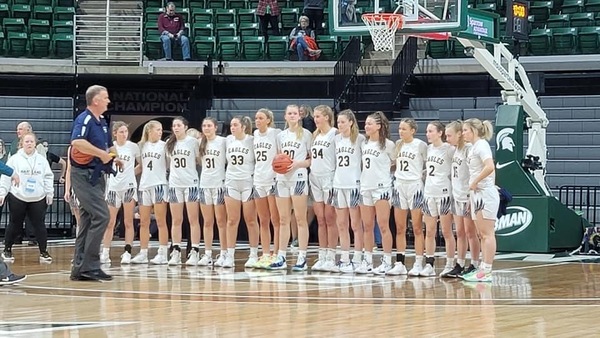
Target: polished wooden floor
pixel 531 296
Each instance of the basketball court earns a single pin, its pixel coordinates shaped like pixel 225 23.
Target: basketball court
pixel 531 296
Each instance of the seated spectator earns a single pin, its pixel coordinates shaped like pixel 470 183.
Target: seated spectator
pixel 303 41
pixel 53 158
pixel 171 27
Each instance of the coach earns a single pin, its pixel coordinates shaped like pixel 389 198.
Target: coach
pixel 89 149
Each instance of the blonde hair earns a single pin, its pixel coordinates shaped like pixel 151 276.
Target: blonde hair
pixel 300 130
pixel 349 114
pixel 308 109
pixel 269 114
pixel 246 122
pixel 325 111
pixel 384 132
pixel 23 138
pixel 116 126
pixel 484 129
pixel 193 132
pixel 456 126
pixel 147 127
pixel 203 139
pixel 413 125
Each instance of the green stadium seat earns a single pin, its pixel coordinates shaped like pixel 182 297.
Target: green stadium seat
pixel 364 3
pixel 558 21
pixel 2 43
pixel 225 16
pixel 42 12
pixel 457 50
pixel 151 29
pixel 21 2
pixel 14 25
pixel 225 29
pixel 39 26
pixel 49 3
pixel 278 48
pixel 252 4
pixel 289 18
pixel 202 15
pixel 151 14
pixel 204 47
pixel 296 4
pixel 64 3
pixel 572 6
pixel 64 13
pixel 178 3
pixel 40 45
pixel 21 11
pixel 202 29
pixel 196 4
pixel 328 46
pixel 437 49
pixel 4 13
pixel 247 16
pixel 540 41
pixel 541 10
pixel 154 3
pixel 237 4
pixel 229 48
pixel 153 47
pixel 16 44
pixel 592 6
pixel 62 45
pixel 216 4
pixel 588 40
pixel 253 48
pixel 581 19
pixel 248 29
pixel 62 27
pixel 564 40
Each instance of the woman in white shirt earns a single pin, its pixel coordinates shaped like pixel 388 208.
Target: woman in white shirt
pixel 30 198
pixel 121 190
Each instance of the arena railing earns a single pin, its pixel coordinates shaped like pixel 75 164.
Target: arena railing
pixel 346 69
pixel 583 199
pixel 403 68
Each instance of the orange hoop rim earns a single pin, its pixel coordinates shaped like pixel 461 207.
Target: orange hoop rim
pixel 390 18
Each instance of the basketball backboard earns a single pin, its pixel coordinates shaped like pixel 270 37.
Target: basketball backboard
pixel 421 16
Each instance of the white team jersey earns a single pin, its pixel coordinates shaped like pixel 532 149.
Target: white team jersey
pixel 460 173
pixel 154 165
pixel 376 165
pixel 479 152
pixel 411 160
pixel 322 153
pixel 348 157
pixel 182 167
pixel 297 150
pixel 265 149
pixel 438 167
pixel 213 164
pixel 240 158
pixel 125 177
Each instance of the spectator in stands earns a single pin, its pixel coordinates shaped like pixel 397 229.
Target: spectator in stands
pixel 313 9
pixel 268 13
pixel 53 158
pixel 303 40
pixel 171 27
pixel 308 120
pixel 348 11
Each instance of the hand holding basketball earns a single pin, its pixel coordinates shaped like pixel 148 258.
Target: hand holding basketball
pixel 282 163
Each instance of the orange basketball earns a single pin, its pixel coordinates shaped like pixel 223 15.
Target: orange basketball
pixel 79 157
pixel 281 163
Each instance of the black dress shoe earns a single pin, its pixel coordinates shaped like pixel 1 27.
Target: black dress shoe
pixel 102 275
pixel 84 277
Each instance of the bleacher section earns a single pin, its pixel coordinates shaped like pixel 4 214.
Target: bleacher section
pixel 558 27
pixel 36 28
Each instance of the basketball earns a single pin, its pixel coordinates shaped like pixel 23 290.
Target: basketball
pixel 281 163
pixel 80 158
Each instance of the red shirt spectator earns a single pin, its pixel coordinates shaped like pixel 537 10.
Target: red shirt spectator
pixel 261 8
pixel 171 22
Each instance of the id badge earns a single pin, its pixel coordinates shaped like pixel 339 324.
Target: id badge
pixel 30 185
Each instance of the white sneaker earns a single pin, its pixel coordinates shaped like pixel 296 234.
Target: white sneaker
pixel 364 268
pixel 318 266
pixel 175 258
pixel 383 268
pixel 416 270
pixel 329 266
pixel 346 267
pixel 160 258
pixel 228 262
pixel 105 258
pixel 446 271
pixel 126 258
pixel 193 258
pixel 252 260
pixel 205 260
pixel 397 270
pixel 428 271
pixel 220 259
pixel 140 259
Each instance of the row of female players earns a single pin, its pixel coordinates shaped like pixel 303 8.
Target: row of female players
pixel 354 180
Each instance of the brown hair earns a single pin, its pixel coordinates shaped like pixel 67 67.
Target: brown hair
pixel 116 126
pixel 413 125
pixel 203 139
pixel 173 139
pixel 439 126
pixel 384 132
pixel 246 122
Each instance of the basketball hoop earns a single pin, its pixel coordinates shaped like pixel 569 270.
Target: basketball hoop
pixel 382 27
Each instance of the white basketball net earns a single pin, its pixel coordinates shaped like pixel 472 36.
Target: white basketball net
pixel 383 30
